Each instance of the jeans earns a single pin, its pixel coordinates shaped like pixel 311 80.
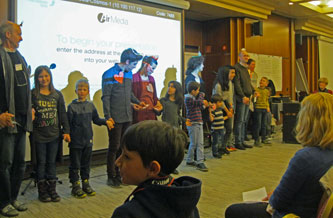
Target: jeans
pixel 80 161
pixel 260 117
pixel 115 135
pixel 196 143
pixel 218 140
pixel 241 114
pixel 12 164
pixel 46 154
pixel 228 130
pixel 268 125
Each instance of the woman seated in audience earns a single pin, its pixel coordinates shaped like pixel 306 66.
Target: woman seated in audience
pixel 322 83
pixel 299 191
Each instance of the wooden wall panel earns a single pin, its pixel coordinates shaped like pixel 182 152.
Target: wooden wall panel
pixel 275 41
pixel 3 10
pixel 193 33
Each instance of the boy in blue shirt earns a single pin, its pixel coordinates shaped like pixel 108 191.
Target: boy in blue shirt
pixel 81 113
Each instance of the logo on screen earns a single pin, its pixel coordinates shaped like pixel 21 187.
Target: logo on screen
pixel 102 18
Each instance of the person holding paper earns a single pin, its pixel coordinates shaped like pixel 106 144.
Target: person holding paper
pixel 300 191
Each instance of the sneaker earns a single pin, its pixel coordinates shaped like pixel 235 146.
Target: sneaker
pixel 19 206
pixel 175 172
pixel 77 191
pixel 9 211
pixel 202 167
pixel 191 164
pixel 87 188
pixel 217 155
pixel 225 151
pixel 267 142
pixel 257 143
pixel 240 147
pixel 230 149
pixel 113 182
pixel 245 145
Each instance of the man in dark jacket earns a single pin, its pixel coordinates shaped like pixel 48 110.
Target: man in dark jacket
pixel 118 99
pixel 243 90
pixel 15 117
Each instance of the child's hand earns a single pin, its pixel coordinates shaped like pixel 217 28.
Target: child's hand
pixel 66 137
pixel 268 110
pixel 268 196
pixel 230 114
pixel 188 122
pixel 109 124
pixel 33 112
pixel 158 107
pixel 256 94
pixel 212 106
pixel 136 107
pixel 205 102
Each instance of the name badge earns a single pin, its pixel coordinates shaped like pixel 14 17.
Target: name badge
pixel 150 88
pixel 18 67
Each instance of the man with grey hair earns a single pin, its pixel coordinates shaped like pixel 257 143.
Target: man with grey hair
pixel 15 117
pixel 243 90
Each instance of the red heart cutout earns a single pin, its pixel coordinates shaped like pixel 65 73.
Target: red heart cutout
pixel 119 78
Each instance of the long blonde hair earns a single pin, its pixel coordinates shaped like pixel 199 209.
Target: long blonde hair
pixel 315 121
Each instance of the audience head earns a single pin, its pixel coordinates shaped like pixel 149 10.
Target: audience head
pixel 315 121
pixel 195 63
pixel 43 77
pixel 322 83
pixel 175 88
pixel 243 56
pixel 150 149
pixel 193 88
pixel 130 58
pixel 10 35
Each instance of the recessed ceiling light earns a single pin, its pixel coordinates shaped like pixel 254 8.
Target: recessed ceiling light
pixel 291 3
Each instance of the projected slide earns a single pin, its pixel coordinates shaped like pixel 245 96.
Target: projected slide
pixel 89 36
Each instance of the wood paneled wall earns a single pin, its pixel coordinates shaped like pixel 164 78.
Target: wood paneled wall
pixel 3 10
pixel 275 41
pixel 308 51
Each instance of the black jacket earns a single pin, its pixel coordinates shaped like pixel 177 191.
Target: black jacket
pixel 80 116
pixel 161 201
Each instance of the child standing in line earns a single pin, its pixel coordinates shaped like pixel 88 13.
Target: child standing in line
pixel 217 119
pixel 194 103
pixel 81 113
pixel 261 107
pixel 172 104
pixel 50 122
pixel 151 150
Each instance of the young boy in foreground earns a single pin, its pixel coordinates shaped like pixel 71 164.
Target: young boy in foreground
pixel 151 150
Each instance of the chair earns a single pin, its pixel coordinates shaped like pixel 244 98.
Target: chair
pixel 325 209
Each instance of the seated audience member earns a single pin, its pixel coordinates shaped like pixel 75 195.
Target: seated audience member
pixel 322 83
pixel 151 150
pixel 299 191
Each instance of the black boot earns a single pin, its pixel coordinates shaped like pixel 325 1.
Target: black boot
pixel 43 195
pixel 52 190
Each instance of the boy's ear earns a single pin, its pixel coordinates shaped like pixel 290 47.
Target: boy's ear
pixel 154 168
pixel 127 62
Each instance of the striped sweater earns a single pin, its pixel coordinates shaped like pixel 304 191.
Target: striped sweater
pixel 193 107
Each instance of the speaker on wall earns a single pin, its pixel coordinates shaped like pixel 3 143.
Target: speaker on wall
pixel 298 38
pixel 257 28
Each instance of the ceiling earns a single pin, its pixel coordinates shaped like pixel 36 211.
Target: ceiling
pixel 307 19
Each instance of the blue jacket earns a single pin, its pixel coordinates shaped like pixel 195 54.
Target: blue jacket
pixel 299 191
pixel 117 95
pixel 80 115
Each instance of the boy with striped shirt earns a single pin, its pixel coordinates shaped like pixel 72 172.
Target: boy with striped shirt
pixel 217 119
